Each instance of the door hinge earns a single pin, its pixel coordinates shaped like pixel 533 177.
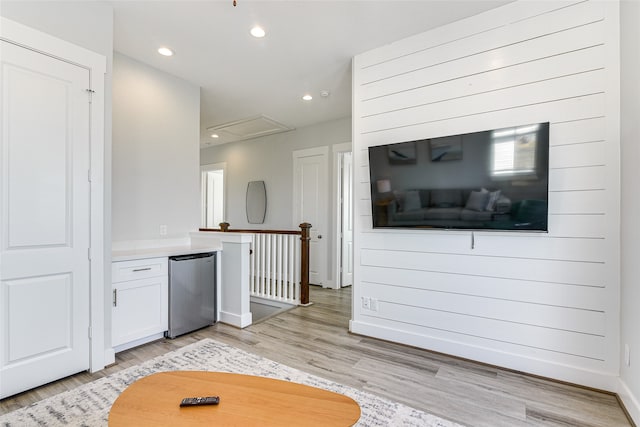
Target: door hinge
pixel 90 92
pixel 89 253
pixel 90 332
pixel 89 175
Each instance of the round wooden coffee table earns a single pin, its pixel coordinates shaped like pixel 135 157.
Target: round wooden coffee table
pixel 245 400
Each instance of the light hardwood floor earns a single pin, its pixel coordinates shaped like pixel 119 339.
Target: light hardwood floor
pixel 315 339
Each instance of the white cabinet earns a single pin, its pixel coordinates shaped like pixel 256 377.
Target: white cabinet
pixel 140 302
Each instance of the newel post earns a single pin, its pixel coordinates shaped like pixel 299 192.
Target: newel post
pixel 305 237
pixel 224 226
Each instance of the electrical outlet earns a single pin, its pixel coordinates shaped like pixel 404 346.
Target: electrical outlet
pixel 627 355
pixel 366 303
pixel 374 304
pixel 163 230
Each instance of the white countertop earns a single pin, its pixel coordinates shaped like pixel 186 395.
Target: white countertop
pixel 142 253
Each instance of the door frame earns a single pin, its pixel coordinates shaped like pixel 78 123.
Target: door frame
pixel 338 150
pixel 208 168
pixel 99 251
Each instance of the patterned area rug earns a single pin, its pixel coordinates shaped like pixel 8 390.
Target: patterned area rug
pixel 88 405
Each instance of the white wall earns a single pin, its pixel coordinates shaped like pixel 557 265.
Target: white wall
pixel 155 153
pixel 540 303
pixel 630 206
pixel 269 159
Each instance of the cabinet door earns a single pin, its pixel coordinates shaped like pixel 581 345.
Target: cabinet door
pixel 140 309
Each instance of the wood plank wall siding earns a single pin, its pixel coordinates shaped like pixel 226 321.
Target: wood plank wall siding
pixel 544 303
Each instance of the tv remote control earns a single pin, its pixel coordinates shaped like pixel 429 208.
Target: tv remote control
pixel 199 401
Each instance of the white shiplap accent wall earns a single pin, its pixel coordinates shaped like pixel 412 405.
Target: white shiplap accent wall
pixel 544 303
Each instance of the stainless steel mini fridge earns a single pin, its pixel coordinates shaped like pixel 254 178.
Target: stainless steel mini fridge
pixel 192 292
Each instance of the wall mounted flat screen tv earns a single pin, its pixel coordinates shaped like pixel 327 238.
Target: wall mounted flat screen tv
pixel 490 180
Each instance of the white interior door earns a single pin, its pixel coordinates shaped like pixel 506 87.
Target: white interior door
pixel 44 215
pixel 310 205
pixel 347 221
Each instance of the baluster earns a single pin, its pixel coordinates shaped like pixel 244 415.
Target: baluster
pixel 252 271
pixel 274 266
pixel 296 284
pixel 262 271
pixel 269 265
pixel 279 281
pixel 256 263
pixel 295 261
pixel 295 279
pixel 274 291
pixel 263 275
pixel 285 266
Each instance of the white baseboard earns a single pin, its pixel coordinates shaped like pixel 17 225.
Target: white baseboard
pixel 544 368
pixel 629 401
pixel 237 320
pixel 267 301
pixel 135 343
pixel 330 284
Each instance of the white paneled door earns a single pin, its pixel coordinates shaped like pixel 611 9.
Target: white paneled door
pixel 44 215
pixel 310 184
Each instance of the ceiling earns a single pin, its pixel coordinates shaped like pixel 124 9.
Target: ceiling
pixel 307 49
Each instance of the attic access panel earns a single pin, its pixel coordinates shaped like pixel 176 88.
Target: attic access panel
pixel 253 127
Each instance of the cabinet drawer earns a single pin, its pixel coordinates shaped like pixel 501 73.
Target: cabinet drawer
pixel 123 271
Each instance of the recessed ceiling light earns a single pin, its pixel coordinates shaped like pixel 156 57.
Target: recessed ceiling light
pixel 165 51
pixel 257 32
pixel 215 135
pixel 307 97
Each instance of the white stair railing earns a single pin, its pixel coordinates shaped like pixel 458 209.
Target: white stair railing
pixel 278 263
pixel 274 267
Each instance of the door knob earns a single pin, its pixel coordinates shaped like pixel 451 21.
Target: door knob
pixel 319 236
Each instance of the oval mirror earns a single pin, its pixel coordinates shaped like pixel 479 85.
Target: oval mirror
pixel 256 202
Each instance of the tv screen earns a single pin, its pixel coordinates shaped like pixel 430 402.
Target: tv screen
pixel 490 180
